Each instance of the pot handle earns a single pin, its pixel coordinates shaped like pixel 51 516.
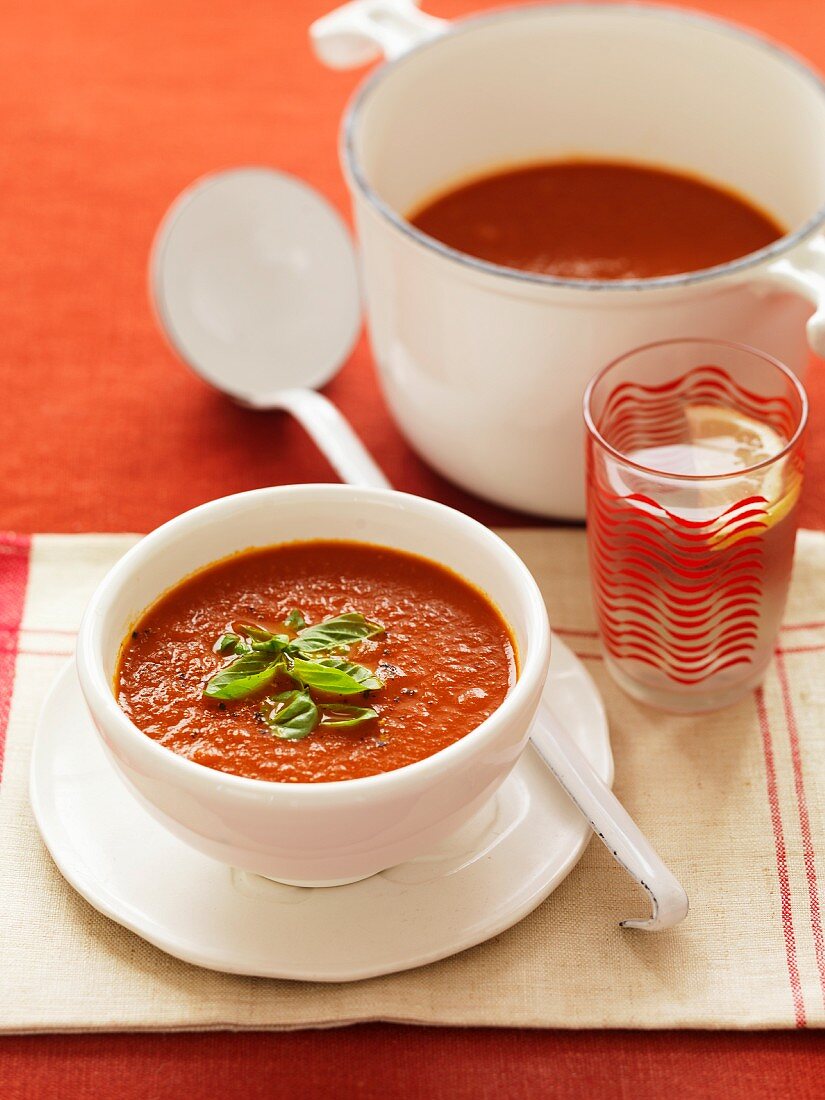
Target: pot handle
pixel 365 30
pixel 802 272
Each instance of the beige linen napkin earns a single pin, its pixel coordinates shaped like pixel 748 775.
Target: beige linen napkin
pixel 734 802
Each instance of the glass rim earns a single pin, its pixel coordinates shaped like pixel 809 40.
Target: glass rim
pixel 729 345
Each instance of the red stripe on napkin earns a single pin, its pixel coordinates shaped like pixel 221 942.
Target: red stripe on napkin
pixel 808 854
pixel 781 860
pixel 14 574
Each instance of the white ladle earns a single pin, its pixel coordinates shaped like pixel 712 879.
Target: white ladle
pixel 254 282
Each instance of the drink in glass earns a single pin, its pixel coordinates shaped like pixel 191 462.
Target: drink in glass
pixel 694 467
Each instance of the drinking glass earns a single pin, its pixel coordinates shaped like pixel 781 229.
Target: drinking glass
pixel 694 471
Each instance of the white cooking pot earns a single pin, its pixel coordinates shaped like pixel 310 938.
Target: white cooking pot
pixel 483 366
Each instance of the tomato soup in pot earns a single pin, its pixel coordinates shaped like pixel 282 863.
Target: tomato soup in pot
pixel 596 220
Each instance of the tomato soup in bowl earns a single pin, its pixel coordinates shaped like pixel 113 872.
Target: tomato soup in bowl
pixel 315 683
pixel 260 665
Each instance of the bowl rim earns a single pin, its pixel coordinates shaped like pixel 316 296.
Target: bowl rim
pixel 357 180
pixel 105 710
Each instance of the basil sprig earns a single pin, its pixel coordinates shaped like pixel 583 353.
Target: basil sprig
pixel 261 655
pixel 248 673
pixel 295 714
pixel 335 676
pixel 261 641
pixel 345 715
pixel 336 633
pixel 295 620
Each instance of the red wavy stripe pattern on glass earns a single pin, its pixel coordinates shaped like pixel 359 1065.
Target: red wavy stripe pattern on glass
pixel 680 595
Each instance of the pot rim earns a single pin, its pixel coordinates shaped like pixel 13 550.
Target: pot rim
pixel 357 180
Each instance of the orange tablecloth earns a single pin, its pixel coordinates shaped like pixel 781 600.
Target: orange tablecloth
pixel 108 110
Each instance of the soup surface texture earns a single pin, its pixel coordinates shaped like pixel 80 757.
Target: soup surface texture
pixel 596 220
pixel 439 657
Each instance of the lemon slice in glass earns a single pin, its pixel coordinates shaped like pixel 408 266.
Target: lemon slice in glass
pixel 715 441
pixel 723 440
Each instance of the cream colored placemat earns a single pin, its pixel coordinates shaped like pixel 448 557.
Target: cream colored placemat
pixel 734 802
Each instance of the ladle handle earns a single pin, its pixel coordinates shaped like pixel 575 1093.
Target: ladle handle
pixel 613 825
pixel 335 438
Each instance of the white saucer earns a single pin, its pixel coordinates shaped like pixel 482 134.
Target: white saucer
pixel 487 877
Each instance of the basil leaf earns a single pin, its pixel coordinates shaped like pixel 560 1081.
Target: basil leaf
pixel 364 676
pixel 340 631
pixel 295 718
pixel 335 675
pixel 276 643
pixel 256 633
pixel 227 643
pixel 295 620
pixel 263 640
pixel 243 676
pixel 344 715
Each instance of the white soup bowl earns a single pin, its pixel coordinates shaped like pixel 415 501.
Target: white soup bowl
pixel 323 833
